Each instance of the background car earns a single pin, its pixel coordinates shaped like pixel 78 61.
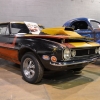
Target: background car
pixel 50 49
pixel 86 27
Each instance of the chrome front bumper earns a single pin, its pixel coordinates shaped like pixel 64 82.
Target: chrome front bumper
pixel 66 63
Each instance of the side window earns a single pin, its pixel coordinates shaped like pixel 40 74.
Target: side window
pixel 79 25
pixel 4 30
pixel 95 24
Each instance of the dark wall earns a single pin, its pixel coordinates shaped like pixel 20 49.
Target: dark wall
pixel 50 13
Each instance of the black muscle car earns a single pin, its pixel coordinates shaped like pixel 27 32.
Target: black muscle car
pixel 38 50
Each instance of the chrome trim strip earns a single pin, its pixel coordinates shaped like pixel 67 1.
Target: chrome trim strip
pixel 73 62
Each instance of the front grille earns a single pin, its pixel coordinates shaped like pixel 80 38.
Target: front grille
pixel 84 57
pixel 82 52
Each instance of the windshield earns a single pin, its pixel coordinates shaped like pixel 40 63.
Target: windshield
pixel 19 28
pixel 26 27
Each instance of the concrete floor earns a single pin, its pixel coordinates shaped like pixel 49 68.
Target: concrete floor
pixel 60 86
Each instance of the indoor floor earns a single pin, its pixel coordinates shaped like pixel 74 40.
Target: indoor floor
pixel 64 85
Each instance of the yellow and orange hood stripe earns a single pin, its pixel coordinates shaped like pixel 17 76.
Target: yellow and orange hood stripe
pixel 81 44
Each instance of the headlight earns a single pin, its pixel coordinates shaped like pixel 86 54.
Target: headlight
pixel 99 50
pixel 73 53
pixel 67 54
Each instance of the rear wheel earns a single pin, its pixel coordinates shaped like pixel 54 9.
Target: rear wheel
pixel 31 69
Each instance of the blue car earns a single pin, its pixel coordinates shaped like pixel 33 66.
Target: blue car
pixel 86 27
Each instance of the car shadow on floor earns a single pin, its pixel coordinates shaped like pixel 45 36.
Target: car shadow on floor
pixel 66 79
pixel 97 62
pixel 62 80
pixel 9 66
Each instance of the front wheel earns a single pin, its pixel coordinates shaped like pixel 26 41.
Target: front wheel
pixel 31 69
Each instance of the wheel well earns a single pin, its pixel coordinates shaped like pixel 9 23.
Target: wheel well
pixel 23 51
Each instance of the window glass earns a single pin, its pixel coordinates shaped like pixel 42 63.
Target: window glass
pixel 4 30
pixel 19 28
pixel 95 24
pixel 79 25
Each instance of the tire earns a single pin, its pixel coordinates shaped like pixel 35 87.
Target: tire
pixel 31 69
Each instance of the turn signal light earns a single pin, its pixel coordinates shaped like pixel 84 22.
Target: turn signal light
pixel 53 59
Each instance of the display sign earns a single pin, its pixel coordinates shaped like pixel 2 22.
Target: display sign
pixel 33 27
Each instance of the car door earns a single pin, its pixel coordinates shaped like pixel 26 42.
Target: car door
pixel 83 28
pixel 7 48
pixel 17 29
pixel 96 28
pixel 14 41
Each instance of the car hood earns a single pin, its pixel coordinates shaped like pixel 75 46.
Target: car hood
pixel 57 32
pixel 81 44
pixel 61 31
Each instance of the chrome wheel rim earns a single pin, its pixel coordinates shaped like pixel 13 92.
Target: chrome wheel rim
pixel 29 68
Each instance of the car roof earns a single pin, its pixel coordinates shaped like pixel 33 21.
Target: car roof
pixel 78 19
pixel 12 22
pixel 75 19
